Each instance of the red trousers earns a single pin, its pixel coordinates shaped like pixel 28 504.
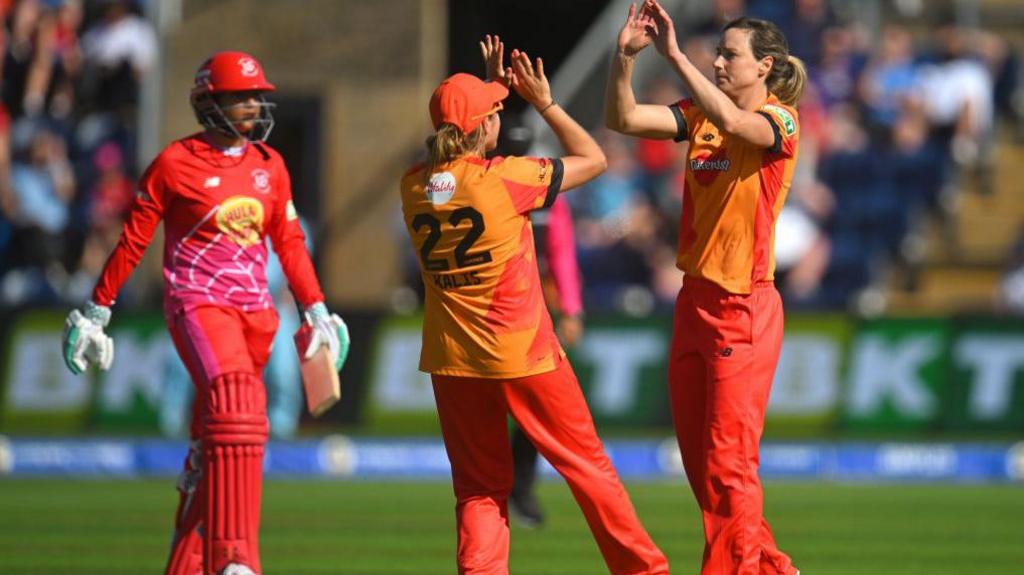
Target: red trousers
pixel 724 351
pixel 551 409
pixel 212 341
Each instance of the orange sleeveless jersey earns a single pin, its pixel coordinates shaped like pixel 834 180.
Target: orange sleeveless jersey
pixel 733 193
pixel 484 314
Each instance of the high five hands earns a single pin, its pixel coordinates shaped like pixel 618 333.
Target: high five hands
pixel 652 25
pixel 493 51
pixel 524 76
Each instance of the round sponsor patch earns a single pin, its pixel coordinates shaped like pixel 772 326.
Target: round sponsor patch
pixel 261 180
pixel 248 66
pixel 241 219
pixel 441 188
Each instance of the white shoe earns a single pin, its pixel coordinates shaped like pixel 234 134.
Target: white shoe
pixel 237 569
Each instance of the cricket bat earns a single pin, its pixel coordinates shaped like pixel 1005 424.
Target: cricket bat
pixel 319 378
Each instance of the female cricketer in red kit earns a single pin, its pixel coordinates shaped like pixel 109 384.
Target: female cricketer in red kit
pixel 219 192
pixel 488 341
pixel 743 132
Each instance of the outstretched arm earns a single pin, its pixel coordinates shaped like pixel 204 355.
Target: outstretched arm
pixel 146 212
pixel 584 159
pixel 719 109
pixel 621 112
pixel 84 341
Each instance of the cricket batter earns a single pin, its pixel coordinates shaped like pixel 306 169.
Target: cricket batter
pixel 743 133
pixel 488 341
pixel 220 192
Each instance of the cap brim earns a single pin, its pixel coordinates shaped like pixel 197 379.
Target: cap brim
pixel 496 91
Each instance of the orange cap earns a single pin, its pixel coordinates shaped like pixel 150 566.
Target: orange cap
pixel 465 100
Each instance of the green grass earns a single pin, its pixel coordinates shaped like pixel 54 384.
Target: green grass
pixel 122 527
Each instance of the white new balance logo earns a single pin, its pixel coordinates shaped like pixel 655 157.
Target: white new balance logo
pixel 212 182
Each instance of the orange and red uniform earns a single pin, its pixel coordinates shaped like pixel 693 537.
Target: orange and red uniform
pixel 728 330
pixel 489 345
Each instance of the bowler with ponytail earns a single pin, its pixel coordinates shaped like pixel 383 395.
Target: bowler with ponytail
pixel 743 131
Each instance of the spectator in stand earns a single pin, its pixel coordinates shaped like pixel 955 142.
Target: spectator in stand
pixel 118 51
pixel 109 199
pixel 658 160
pixel 804 30
pixel 956 90
pixel 838 66
pixel 28 67
pixel 612 266
pixel 889 78
pixel 43 185
pixel 722 12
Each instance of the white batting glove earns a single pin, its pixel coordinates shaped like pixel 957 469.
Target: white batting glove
pixel 84 341
pixel 329 330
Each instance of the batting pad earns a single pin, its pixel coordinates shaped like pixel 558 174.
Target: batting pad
pixel 234 434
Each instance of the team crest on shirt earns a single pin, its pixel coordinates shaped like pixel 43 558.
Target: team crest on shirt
pixel 706 167
pixel 441 188
pixel 241 219
pixel 261 180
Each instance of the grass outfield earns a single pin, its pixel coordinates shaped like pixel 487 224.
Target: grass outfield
pixel 106 527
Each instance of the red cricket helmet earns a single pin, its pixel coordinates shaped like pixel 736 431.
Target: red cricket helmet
pixel 231 71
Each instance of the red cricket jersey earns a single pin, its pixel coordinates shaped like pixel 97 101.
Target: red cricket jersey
pixel 217 206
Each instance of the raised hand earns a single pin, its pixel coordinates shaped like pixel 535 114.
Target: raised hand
pixel 637 32
pixel 493 51
pixel 529 81
pixel 663 29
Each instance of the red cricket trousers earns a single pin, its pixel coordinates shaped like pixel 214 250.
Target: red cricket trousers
pixel 725 348
pixel 551 409
pixel 213 341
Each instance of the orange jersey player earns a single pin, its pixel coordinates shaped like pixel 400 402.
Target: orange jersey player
pixel 488 340
pixel 219 193
pixel 743 132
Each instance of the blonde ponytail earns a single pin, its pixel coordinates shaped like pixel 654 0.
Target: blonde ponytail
pixel 787 80
pixel 449 143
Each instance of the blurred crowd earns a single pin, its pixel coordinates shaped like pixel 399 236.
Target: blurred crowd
pixel 69 98
pixel 896 124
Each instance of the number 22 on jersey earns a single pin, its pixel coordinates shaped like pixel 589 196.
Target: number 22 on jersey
pixel 463 257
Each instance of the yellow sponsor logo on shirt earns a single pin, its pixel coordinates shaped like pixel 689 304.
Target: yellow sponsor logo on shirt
pixel 241 219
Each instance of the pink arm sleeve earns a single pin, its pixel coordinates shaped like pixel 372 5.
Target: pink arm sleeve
pixel 561 251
